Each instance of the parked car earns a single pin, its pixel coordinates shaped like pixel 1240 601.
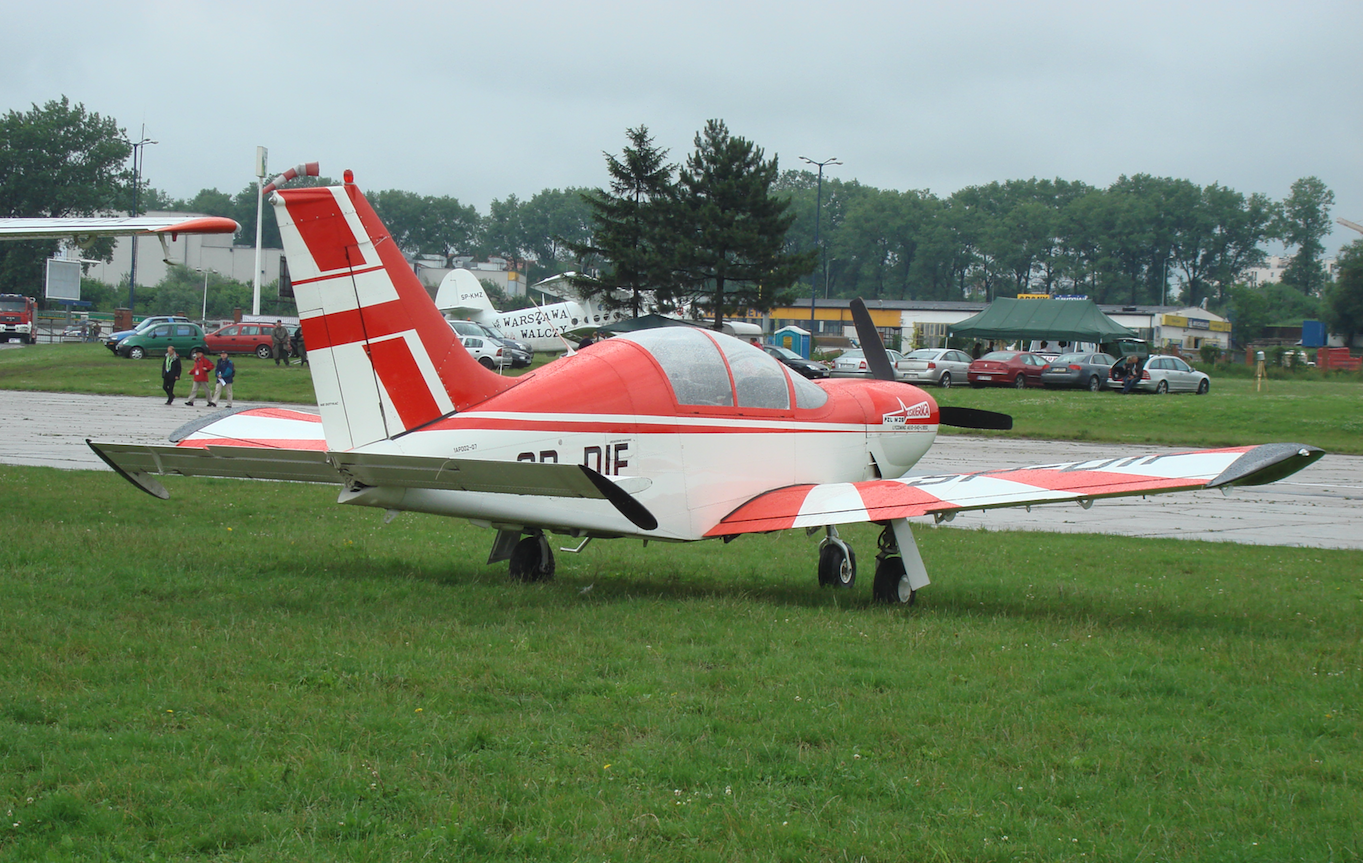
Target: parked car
pixel 242 339
pixel 1006 369
pixel 152 341
pixel 515 354
pixel 488 352
pixel 1078 370
pixel 808 368
pixel 852 364
pixel 1168 375
pixel 114 338
pixel 941 366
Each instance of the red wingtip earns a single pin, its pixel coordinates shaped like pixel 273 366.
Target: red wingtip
pixel 204 225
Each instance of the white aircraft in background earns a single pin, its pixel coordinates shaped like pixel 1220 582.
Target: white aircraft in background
pixel 544 327
pixel 674 434
pixel 82 229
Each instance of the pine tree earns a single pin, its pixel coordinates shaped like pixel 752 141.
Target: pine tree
pixel 732 229
pixel 628 236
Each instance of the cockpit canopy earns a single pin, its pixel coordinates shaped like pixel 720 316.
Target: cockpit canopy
pixel 713 369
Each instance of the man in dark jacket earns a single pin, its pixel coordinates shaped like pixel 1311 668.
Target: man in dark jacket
pixel 170 373
pixel 226 372
pixel 280 338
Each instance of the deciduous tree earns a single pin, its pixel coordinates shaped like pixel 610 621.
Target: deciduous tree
pixel 57 160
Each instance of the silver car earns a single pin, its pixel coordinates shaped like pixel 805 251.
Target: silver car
pixel 940 366
pixel 852 364
pixel 1169 375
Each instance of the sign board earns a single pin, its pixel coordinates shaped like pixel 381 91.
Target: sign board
pixel 63 279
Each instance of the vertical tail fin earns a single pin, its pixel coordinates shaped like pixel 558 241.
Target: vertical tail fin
pixel 460 291
pixel 383 359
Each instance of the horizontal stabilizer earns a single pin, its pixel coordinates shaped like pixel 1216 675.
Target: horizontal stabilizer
pixel 135 462
pixel 234 462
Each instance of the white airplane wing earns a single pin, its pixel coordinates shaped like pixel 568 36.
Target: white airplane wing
pixel 113 226
pixel 944 495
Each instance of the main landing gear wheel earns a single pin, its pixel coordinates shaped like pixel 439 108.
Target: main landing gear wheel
pixel 531 559
pixel 837 563
pixel 890 586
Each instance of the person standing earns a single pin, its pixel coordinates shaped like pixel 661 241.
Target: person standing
pixel 170 373
pixel 226 373
pixel 300 350
pixel 280 336
pixel 198 374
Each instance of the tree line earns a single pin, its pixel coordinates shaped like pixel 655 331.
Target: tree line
pixel 726 229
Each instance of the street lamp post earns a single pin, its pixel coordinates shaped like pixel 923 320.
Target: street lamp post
pixel 137 185
pixel 823 260
pixel 203 315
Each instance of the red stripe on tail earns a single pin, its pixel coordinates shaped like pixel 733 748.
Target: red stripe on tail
pixel 404 382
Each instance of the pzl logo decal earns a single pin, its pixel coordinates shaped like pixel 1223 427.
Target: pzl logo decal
pixel 901 417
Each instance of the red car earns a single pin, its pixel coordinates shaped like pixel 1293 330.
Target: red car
pixel 242 339
pixel 1006 369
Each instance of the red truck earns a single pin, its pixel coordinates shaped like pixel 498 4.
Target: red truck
pixel 16 318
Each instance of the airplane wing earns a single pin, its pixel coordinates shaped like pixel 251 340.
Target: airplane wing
pixel 282 444
pixel 944 495
pixel 112 226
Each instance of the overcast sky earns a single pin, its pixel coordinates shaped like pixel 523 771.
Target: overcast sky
pixel 483 100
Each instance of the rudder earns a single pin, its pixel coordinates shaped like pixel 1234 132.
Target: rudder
pixel 383 359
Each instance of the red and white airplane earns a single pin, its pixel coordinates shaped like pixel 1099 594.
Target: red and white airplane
pixel 675 434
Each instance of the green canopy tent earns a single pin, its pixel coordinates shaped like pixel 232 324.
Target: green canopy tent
pixel 1054 320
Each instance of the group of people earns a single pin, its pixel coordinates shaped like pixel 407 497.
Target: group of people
pixel 284 345
pixel 225 371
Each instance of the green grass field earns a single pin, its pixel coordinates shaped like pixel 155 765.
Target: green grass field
pixel 250 673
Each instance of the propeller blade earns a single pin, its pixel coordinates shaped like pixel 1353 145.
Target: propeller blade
pixel 973 418
pixel 877 360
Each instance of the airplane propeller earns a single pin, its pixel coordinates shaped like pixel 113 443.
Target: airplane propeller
pixel 878 361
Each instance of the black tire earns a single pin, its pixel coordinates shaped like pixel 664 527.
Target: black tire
pixel 264 352
pixel 526 561
pixel 888 581
pixel 835 568
pixel 1161 388
pixel 1020 382
pixel 485 363
pixel 945 380
pixel 1203 387
pixel 136 352
pixel 1095 384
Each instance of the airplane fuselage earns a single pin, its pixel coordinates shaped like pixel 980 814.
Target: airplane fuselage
pixel 690 465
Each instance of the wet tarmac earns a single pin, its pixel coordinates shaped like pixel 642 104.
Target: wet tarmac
pixel 1320 507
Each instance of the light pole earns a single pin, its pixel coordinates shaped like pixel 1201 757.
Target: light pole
pixel 203 315
pixel 262 155
pixel 823 261
pixel 137 185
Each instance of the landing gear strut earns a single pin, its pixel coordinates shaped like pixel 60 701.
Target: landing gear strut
pixel 531 559
pixel 837 562
pixel 891 583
